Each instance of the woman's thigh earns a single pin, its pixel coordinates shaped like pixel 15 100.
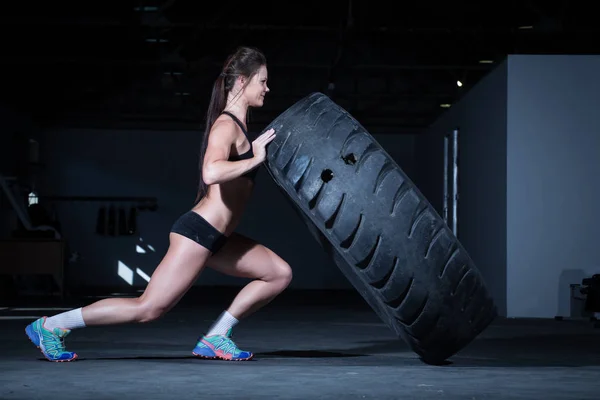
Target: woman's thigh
pixel 243 257
pixel 176 273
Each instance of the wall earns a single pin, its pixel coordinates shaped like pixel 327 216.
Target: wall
pixel 529 167
pixel 553 180
pixel 480 116
pixel 163 164
pixel 17 129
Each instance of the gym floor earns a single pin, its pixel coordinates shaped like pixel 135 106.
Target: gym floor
pixel 308 345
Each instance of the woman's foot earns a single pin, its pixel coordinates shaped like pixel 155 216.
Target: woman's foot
pixel 220 347
pixel 50 342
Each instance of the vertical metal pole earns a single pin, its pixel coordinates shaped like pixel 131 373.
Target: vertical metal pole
pixel 455 182
pixel 445 204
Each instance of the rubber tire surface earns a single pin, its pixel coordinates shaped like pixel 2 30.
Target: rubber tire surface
pixel 382 233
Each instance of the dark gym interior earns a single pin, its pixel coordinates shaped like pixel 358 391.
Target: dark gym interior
pixel 489 109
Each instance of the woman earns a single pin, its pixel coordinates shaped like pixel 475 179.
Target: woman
pixel 204 236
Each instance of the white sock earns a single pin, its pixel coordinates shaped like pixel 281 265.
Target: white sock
pixel 225 322
pixel 72 319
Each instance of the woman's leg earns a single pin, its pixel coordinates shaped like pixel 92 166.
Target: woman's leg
pixel 177 271
pixel 245 258
pixel 173 277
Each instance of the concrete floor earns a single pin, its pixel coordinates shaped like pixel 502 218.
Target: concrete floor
pixel 335 349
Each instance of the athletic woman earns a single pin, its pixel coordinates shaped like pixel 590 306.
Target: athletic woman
pixel 205 235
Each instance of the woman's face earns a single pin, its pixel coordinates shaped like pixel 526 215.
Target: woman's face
pixel 257 88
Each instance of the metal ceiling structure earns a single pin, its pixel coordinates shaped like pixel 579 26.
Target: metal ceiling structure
pixel 151 63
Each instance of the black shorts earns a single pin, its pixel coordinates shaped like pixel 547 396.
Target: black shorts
pixel 194 227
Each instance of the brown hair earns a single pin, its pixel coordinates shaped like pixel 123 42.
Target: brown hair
pixel 245 61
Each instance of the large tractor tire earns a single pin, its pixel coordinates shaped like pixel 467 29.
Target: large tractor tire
pixel 382 233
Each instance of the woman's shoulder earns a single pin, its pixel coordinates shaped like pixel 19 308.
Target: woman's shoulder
pixel 224 123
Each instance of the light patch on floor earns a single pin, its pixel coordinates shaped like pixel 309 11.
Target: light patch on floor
pixel 125 272
pixel 142 274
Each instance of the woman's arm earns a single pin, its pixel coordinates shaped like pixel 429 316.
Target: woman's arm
pixel 216 167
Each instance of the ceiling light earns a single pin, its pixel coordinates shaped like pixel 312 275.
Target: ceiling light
pixel 445 105
pixel 458 83
pixel 486 62
pixel 526 27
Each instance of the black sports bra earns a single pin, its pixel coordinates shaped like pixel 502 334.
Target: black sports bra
pixel 249 154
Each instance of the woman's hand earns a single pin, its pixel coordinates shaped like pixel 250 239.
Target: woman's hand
pixel 260 143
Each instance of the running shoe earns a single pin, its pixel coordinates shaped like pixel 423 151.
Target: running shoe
pixel 50 342
pixel 220 347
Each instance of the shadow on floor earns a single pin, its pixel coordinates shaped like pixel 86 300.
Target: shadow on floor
pixel 266 355
pixel 564 350
pixel 308 354
pixel 558 350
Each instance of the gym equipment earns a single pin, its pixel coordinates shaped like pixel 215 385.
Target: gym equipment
pixel 378 228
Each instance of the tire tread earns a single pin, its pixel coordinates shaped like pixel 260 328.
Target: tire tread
pixel 379 229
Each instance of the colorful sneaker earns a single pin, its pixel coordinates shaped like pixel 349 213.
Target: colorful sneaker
pixel 51 343
pixel 220 347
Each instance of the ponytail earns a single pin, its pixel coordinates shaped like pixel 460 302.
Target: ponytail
pixel 216 106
